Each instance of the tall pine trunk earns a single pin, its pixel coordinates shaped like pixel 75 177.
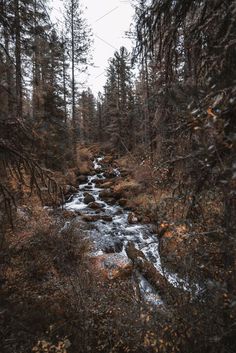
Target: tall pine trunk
pixel 19 95
pixel 74 127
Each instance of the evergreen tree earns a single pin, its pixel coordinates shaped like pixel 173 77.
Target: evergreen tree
pixel 118 102
pixel 88 123
pixel 78 45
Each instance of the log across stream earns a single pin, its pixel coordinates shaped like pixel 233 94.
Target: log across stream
pixel 120 247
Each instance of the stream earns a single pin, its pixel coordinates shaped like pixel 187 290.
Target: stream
pixel 113 236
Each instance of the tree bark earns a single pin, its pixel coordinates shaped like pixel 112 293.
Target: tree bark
pixel 19 95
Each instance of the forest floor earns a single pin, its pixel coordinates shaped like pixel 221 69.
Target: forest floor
pixel 54 299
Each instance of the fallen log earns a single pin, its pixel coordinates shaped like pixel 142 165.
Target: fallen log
pixel 168 292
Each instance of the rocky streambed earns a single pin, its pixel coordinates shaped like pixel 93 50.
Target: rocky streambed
pixel 121 245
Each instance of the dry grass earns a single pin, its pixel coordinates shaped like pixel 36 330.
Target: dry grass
pixel 144 200
pixel 84 167
pixel 124 162
pixel 84 159
pixel 54 300
pixel 84 153
pixel 127 186
pixel 67 178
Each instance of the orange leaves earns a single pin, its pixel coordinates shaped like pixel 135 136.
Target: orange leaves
pixel 47 347
pixel 211 113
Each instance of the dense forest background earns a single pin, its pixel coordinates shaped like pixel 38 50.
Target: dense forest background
pixel 168 111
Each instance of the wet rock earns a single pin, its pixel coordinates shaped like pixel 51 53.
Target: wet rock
pixel 106 218
pixel 111 201
pixel 68 214
pixel 118 212
pixel 132 218
pixel 95 205
pixel 90 217
pixel 88 198
pixel 106 194
pixel 129 208
pixel 88 187
pixel 69 190
pixel 110 174
pixel 114 247
pixel 122 202
pixel 113 266
pixel 106 184
pixel 82 179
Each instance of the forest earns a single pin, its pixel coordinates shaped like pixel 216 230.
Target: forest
pixel 118 210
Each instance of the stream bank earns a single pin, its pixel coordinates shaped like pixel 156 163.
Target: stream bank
pixel 84 279
pixel 121 244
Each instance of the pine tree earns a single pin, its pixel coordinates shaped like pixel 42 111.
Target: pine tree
pixel 88 123
pixel 118 102
pixel 79 42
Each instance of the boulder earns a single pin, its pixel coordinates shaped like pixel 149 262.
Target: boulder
pixel 110 174
pixel 132 218
pixel 122 202
pixel 69 190
pixel 68 214
pixel 111 201
pixel 87 187
pixel 106 194
pixel 88 198
pixel 106 184
pixel 82 179
pixel 90 217
pixel 113 266
pixel 95 205
pixel 118 212
pixel 106 218
pixel 113 247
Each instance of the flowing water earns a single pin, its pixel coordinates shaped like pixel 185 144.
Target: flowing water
pixel 113 236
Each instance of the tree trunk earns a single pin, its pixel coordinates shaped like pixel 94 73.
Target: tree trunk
pixel 74 125
pixel 19 97
pixel 64 83
pixel 9 68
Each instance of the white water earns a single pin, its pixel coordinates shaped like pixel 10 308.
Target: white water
pixel 114 236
